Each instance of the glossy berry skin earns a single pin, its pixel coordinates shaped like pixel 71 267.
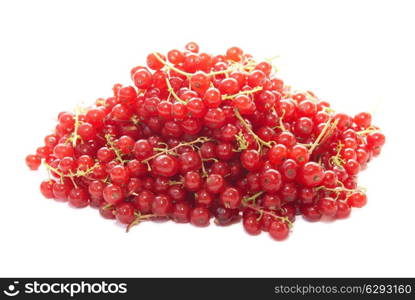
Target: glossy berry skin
pixel 124 212
pixel 125 144
pixel 86 131
pixel 225 216
pixel 344 121
pixel 352 167
pixel 300 154
pixel 270 181
pixel 304 127
pixel 200 216
pixel 357 200
pixel 251 225
pixel 288 192
pixel 327 207
pixel 234 53
pixel 46 188
pixel 142 79
pixel 200 82
pixel 192 181
pixel 189 161
pixel 162 205
pixel 212 98
pixel 33 162
pixel 250 160
pixel 225 151
pixel 203 197
pixel 277 154
pixel 288 170
pixel 119 175
pixel 375 140
pixel 343 210
pixel 181 212
pixel 229 86
pixel 113 194
pixel 230 198
pixel 310 212
pixel 43 152
pixel 96 188
pixel 363 120
pixel 61 191
pixel 142 149
pixel 63 150
pixel 143 202
pixel 287 138
pixel 278 230
pixel 78 198
pixel 192 47
pixel 214 183
pixel 256 78
pixel 107 212
pixel 312 174
pixel 175 56
pixel 153 63
pixel 214 118
pixel 271 201
pixel 105 154
pixel 165 165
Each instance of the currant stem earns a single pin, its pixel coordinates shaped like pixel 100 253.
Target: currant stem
pixel 210 159
pixel 370 129
pixel 77 174
pixel 201 139
pixel 177 70
pixel 49 167
pixel 253 197
pixel 172 92
pixel 337 160
pixel 71 176
pixel 341 189
pixel 107 206
pixel 138 219
pixel 175 182
pixel 264 212
pixel 113 148
pixel 321 135
pixel 249 129
pixel 242 142
pixel 248 92
pixel 170 66
pixel 282 127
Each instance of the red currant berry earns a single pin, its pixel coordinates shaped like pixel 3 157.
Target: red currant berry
pixel 278 230
pixel 200 216
pixel 113 194
pixel 33 162
pixel 162 205
pixel 357 200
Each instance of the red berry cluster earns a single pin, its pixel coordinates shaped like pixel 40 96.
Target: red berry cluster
pixel 201 136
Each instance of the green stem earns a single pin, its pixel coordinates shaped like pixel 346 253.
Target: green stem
pixel 75 132
pixel 253 197
pixel 248 92
pixel 172 92
pixel 264 212
pixel 321 135
pixel 249 129
pixel 201 139
pixel 171 66
pixel 113 148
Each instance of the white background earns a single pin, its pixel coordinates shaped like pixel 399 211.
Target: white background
pixel 359 55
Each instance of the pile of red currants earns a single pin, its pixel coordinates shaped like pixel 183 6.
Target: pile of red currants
pixel 201 136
